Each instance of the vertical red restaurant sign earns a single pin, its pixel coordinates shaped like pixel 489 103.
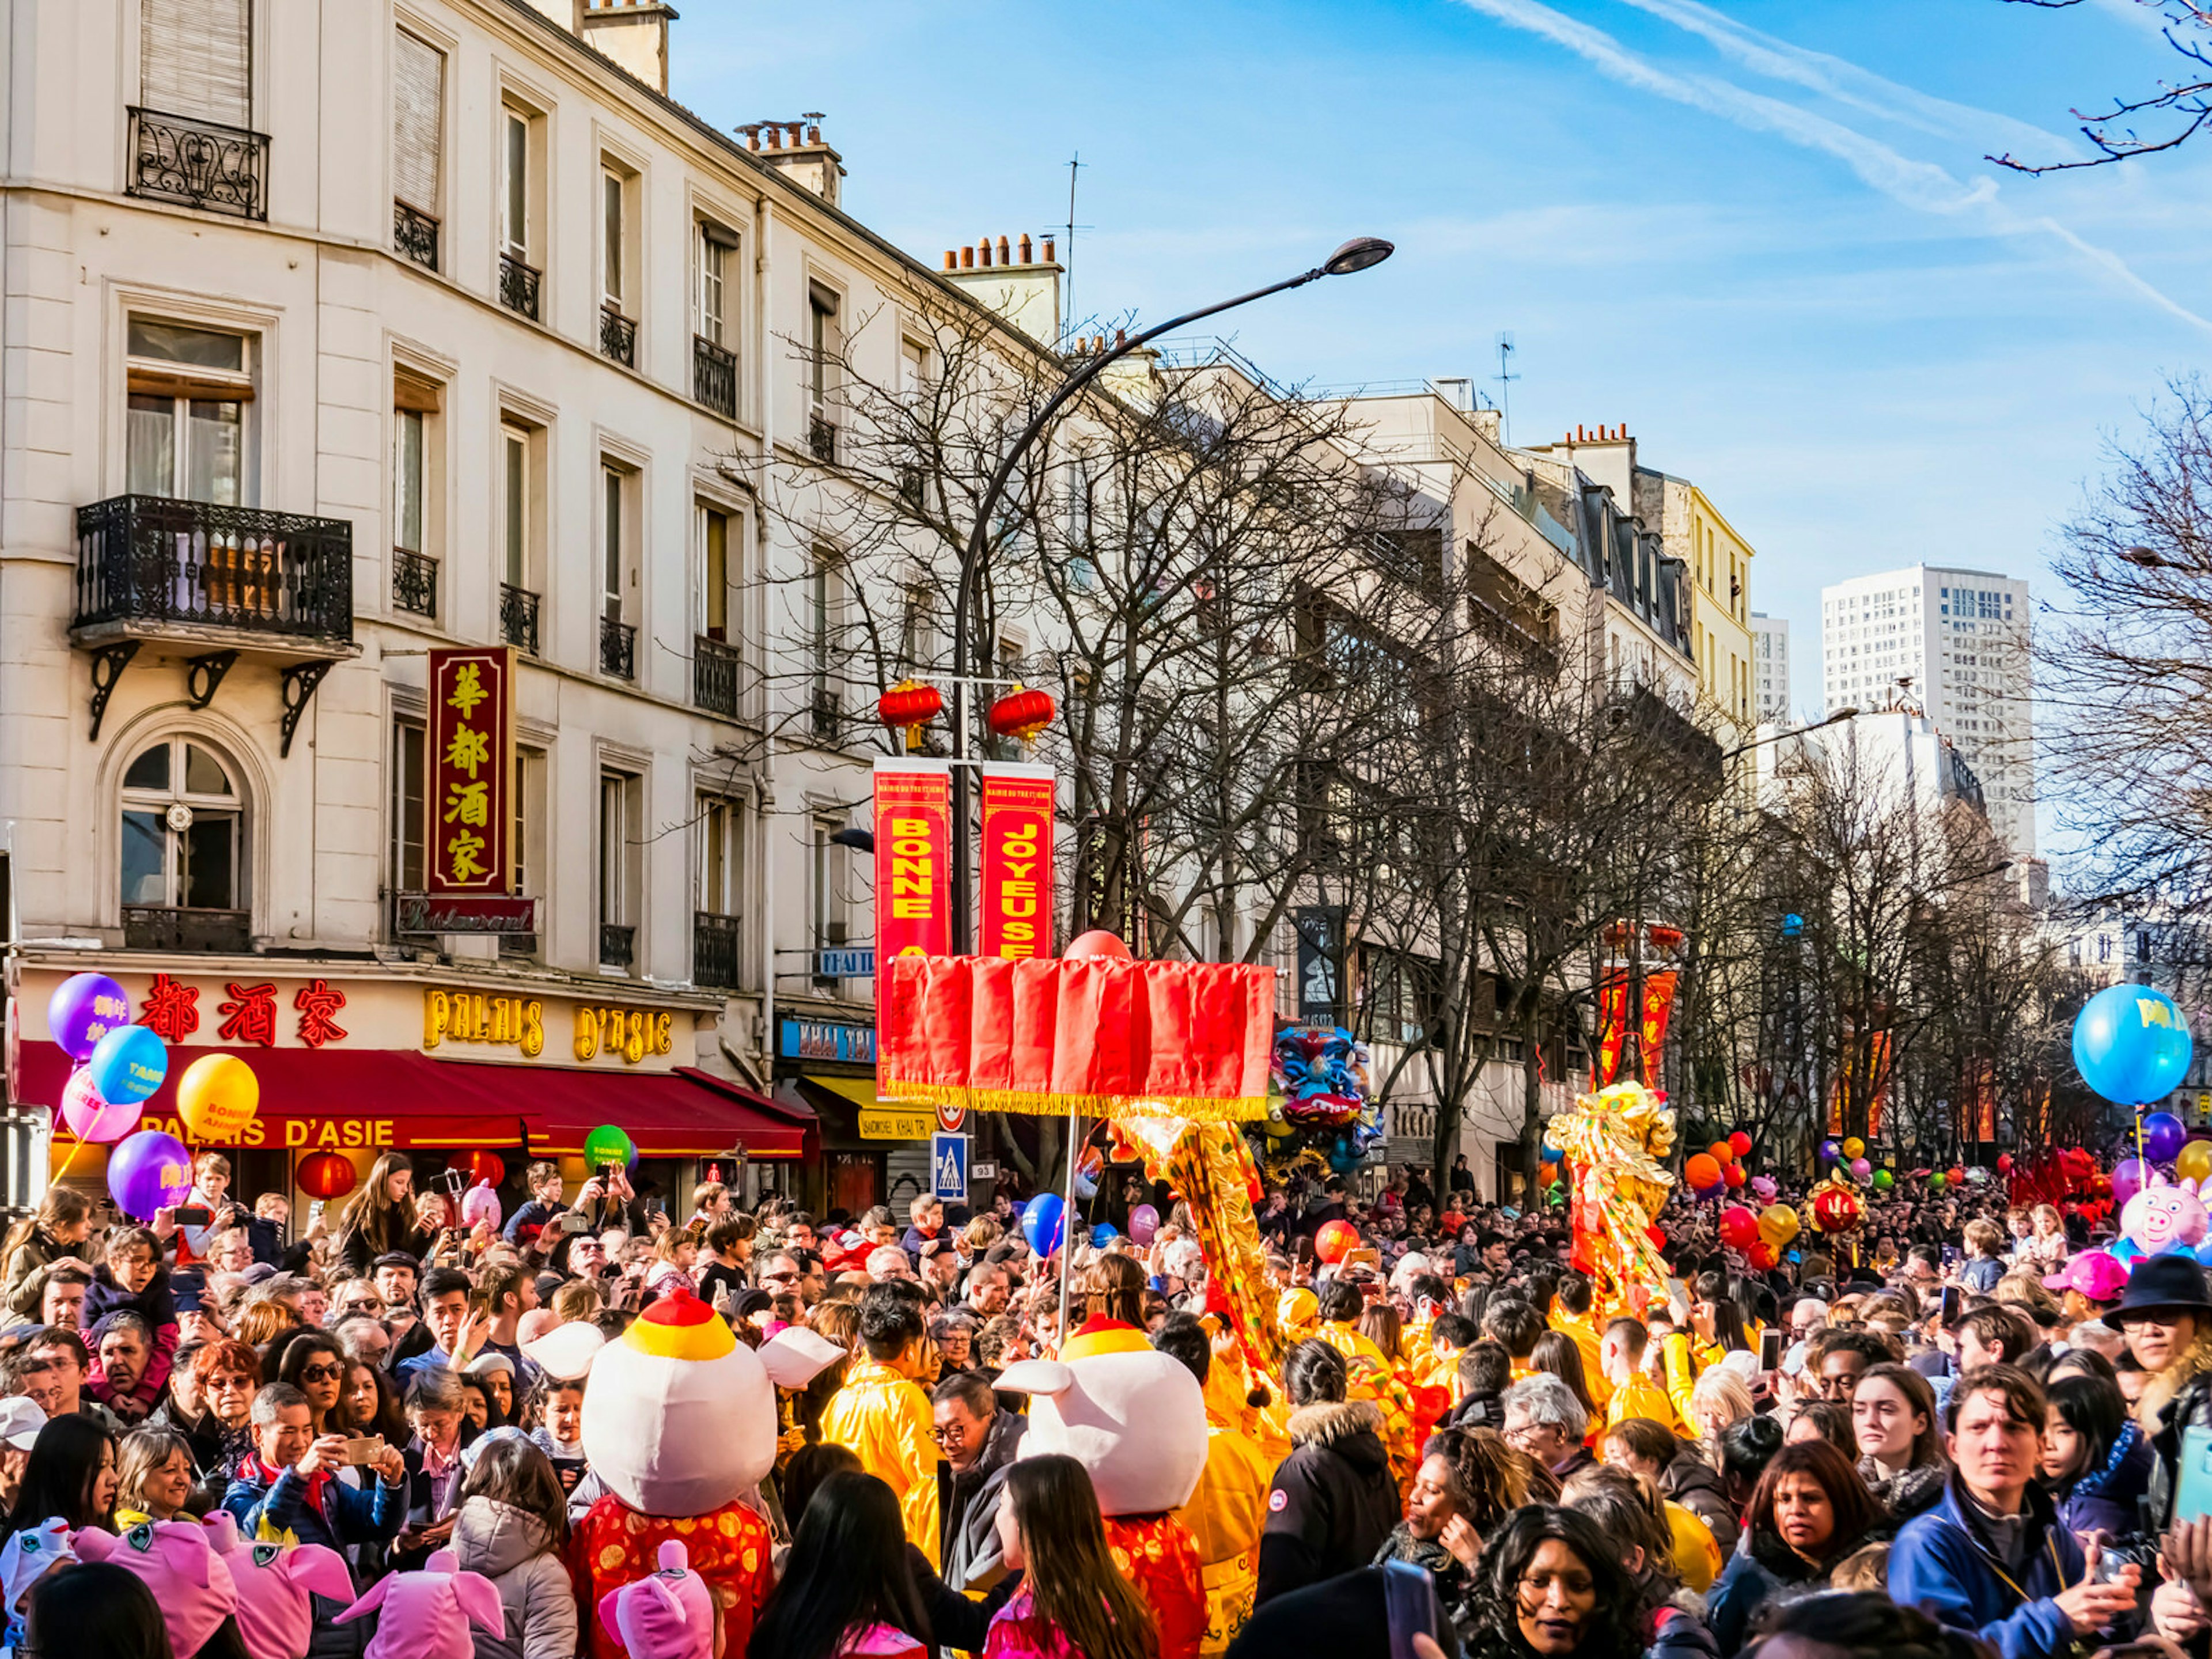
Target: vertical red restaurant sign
pixel 1658 1003
pixel 914 859
pixel 1016 919
pixel 468 797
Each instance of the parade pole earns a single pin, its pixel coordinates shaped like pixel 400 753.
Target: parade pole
pixel 1067 1219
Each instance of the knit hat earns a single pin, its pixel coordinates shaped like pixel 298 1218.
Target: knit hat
pixel 274 1615
pixel 665 1616
pixel 175 1560
pixel 427 1615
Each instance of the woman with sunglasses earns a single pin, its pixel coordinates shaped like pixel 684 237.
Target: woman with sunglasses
pixel 315 1365
pixel 224 1377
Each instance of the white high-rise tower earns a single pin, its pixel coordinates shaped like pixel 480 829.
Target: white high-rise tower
pixel 1770 668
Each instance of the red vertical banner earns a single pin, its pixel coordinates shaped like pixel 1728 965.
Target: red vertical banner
pixel 468 797
pixel 914 859
pixel 1658 1004
pixel 1612 1025
pixel 1016 839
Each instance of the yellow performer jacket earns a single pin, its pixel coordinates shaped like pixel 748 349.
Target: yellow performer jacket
pixel 1583 1334
pixel 1684 1367
pixel 1374 1377
pixel 886 1419
pixel 1641 1397
pixel 1225 1515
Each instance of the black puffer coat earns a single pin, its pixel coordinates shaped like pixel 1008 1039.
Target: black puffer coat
pixel 1691 1482
pixel 1333 1502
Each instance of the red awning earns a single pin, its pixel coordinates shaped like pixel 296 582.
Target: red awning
pixel 342 1098
pixel 337 1099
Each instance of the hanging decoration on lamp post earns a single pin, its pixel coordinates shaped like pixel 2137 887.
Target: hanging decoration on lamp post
pixel 911 704
pixel 1023 713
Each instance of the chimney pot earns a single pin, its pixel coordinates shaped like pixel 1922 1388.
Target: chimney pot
pixel 1003 251
pixel 752 139
pixel 814 134
pixel 796 128
pixel 986 245
pixel 1050 257
pixel 1121 336
pixel 951 261
pixel 1028 257
pixel 775 137
pixel 967 258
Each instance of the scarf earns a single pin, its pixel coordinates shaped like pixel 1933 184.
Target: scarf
pixel 2094 1483
pixel 251 1466
pixel 438 1465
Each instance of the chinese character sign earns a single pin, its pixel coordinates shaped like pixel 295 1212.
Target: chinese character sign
pixel 1016 824
pixel 468 797
pixel 914 859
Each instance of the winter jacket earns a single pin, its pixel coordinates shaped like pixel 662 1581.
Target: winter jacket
pixel 1906 1493
pixel 967 1503
pixel 2178 1399
pixel 510 1546
pixel 1942 1562
pixel 888 1421
pixel 1454 1588
pixel 2110 1497
pixel 281 1511
pixel 1691 1482
pixel 27 1274
pixel 1679 1633
pixel 1763 1570
pixel 157 1305
pixel 1333 1502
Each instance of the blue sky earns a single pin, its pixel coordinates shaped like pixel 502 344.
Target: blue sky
pixel 1759 232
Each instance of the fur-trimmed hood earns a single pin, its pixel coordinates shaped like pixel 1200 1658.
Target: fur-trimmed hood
pixel 1325 1422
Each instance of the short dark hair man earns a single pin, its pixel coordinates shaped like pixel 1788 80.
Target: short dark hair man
pixel 979 1442
pixel 882 1414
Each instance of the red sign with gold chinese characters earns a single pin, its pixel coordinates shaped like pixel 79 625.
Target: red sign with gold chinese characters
pixel 1016 840
pixel 468 796
pixel 914 859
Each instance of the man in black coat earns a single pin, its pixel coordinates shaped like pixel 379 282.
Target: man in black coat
pixel 1333 1500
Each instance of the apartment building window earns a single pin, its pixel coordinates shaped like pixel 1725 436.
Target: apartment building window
pixel 617 240
pixel 830 893
pixel 714 573
pixel 520 511
pixel 415 405
pixel 914 370
pixel 621 805
pixel 821 626
pixel 617 543
pixel 713 359
pixel 520 194
pixel 185 434
pixel 418 124
pixel 191 138
pixel 824 344
pixel 529 832
pixel 716 935
pixel 183 844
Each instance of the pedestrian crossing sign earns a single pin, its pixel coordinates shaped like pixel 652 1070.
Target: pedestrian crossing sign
pixel 948 1167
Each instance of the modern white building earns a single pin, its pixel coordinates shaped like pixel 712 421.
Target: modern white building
pixel 1954 645
pixel 1895 753
pixel 1770 668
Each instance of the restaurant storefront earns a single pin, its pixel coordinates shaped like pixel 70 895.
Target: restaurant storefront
pixel 428 1061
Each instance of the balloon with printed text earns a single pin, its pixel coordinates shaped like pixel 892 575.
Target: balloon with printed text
pixel 148 1172
pixel 217 1097
pixel 128 1064
pixel 84 1008
pixel 2131 1044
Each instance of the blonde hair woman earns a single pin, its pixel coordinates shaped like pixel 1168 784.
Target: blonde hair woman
pixel 1719 1400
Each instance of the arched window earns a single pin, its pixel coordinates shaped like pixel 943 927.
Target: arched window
pixel 184 829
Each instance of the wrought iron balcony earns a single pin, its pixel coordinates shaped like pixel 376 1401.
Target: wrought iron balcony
pixel 415 233
pixel 715 676
pixel 618 946
pixel 518 286
pixel 150 564
pixel 715 946
pixel 618 336
pixel 414 582
pixel 714 377
pixel 162 927
pixel 202 164
pixel 821 440
pixel 617 648
pixel 518 618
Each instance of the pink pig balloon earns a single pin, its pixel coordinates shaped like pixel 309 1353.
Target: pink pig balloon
pixel 2164 1215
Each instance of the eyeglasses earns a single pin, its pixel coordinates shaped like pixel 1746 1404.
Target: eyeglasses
pixel 321 1374
pixel 237 1381
pixel 361 1305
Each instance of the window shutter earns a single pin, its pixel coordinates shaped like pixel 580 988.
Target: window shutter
pixel 197 60
pixel 418 104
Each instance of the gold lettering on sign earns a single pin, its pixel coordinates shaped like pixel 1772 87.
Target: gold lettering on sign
pixel 633 1033
pixel 471 1016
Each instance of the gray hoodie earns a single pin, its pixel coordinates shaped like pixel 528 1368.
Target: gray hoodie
pixel 510 1546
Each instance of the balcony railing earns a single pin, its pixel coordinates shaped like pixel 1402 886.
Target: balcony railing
pixel 518 618
pixel 152 559
pixel 163 927
pixel 821 440
pixel 202 164
pixel 415 233
pixel 618 336
pixel 518 286
pixel 618 946
pixel 715 676
pixel 715 376
pixel 617 648
pixel 715 941
pixel 415 582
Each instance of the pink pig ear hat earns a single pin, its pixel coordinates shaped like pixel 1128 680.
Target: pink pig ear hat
pixel 427 1615
pixel 177 1562
pixel 666 1616
pixel 274 1581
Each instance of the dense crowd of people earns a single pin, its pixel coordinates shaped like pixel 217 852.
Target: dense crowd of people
pixel 1964 1431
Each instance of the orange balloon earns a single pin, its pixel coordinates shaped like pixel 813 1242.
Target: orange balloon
pixel 1701 1172
pixel 1722 1153
pixel 1334 1238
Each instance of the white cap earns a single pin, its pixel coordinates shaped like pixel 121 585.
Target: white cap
pixel 795 1356
pixel 565 1353
pixel 21 1419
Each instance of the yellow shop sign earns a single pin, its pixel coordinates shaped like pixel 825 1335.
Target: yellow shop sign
pixel 474 1017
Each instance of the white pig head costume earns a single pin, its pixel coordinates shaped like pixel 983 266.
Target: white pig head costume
pixel 1135 1418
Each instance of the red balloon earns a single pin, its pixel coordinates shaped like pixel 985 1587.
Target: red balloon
pixel 1761 1254
pixel 1740 1144
pixel 1956 1175
pixel 1701 1171
pixel 1335 1239
pixel 1657 1235
pixel 1733 1176
pixel 1835 1210
pixel 2004 1163
pixel 1739 1228
pixel 1097 943
pixel 484 1166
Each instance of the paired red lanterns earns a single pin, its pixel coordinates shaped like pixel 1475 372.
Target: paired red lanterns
pixel 1023 713
pixel 327 1174
pixel 484 1166
pixel 911 704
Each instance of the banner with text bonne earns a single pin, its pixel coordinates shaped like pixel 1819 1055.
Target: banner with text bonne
pixel 913 858
pixel 1017 823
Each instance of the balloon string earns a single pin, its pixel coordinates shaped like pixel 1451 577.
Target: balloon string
pixel 75 1146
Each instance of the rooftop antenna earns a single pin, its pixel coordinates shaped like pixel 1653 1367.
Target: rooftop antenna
pixel 1505 378
pixel 1074 165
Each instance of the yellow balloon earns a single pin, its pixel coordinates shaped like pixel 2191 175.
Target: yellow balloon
pixel 217 1097
pixel 1777 1225
pixel 2195 1163
pixel 1854 1147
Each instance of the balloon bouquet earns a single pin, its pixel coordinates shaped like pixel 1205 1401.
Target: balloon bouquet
pixel 2131 1045
pixel 1326 1114
pixel 119 1067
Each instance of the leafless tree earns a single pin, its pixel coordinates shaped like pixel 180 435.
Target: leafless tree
pixel 2180 106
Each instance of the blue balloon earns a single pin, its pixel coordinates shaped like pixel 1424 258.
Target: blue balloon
pixel 1103 1234
pixel 1040 1223
pixel 1792 925
pixel 128 1064
pixel 2131 1044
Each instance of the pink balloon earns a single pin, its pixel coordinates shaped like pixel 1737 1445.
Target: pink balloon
pixel 480 1203
pixel 1766 1188
pixel 1143 1222
pixel 1860 1169
pixel 2128 1177
pixel 1097 943
pixel 91 1118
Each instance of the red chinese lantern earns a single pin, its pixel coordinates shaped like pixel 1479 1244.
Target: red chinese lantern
pixel 1022 714
pixel 1835 1210
pixel 484 1166
pixel 911 704
pixel 327 1174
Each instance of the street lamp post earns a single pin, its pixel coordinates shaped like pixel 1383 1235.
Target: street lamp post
pixel 1846 712
pixel 1359 254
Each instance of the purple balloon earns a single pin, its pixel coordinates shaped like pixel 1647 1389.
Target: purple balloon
pixel 1830 1151
pixel 2164 1136
pixel 146 1171
pixel 1143 1222
pixel 84 1008
pixel 2128 1178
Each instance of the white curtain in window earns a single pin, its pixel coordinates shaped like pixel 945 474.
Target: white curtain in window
pixel 418 104
pixel 196 58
